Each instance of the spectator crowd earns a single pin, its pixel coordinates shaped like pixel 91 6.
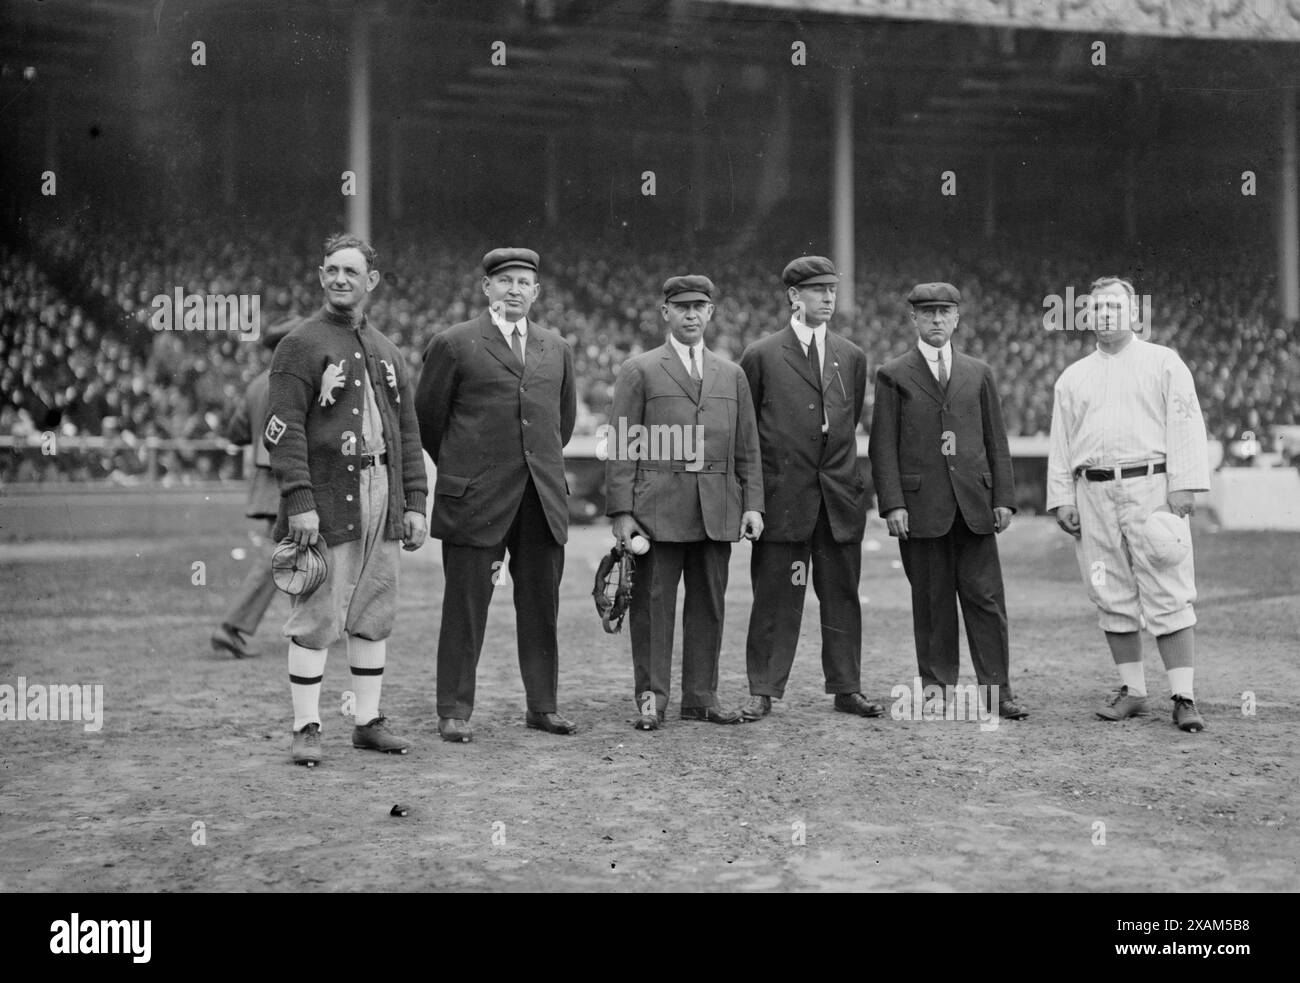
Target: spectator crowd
pixel 78 356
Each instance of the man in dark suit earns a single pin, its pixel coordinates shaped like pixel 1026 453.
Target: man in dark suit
pixel 684 472
pixel 808 387
pixel 942 471
pixel 496 404
pixel 255 593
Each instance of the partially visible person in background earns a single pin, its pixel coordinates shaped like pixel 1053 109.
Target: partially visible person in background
pixel 255 593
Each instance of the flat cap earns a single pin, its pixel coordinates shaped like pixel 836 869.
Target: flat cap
pixel 934 295
pixel 508 257
pixel 809 270
pixel 686 288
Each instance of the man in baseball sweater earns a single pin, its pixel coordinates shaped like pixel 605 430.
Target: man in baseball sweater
pixel 345 448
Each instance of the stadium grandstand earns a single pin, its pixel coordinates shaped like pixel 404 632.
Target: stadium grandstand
pixel 209 148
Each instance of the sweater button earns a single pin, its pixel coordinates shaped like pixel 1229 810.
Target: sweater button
pixel 356 382
pixel 351 468
pixel 355 412
pixel 357 355
pixel 351 527
pixel 349 499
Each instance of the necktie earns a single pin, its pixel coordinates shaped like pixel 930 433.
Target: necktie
pixel 695 369
pixel 943 374
pixel 517 343
pixel 815 363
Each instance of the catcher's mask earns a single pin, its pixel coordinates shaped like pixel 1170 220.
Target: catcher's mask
pixel 299 572
pixel 613 590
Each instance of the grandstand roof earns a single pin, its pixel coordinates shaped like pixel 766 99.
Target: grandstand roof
pixel 634 66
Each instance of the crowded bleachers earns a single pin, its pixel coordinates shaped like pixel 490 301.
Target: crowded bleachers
pixel 79 358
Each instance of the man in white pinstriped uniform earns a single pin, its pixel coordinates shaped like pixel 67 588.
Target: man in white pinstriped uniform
pixel 1127 440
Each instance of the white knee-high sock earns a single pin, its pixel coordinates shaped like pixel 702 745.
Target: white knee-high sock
pixel 1178 649
pixel 366 658
pixel 1126 650
pixel 306 669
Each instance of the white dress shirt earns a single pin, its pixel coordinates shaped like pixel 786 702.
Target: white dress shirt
pixel 684 353
pixel 1136 406
pixel 932 356
pixel 805 335
pixel 509 328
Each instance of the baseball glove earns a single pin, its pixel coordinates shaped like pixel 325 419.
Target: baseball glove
pixel 613 590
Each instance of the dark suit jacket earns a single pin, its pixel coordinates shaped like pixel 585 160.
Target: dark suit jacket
pixel 654 389
pixel 912 426
pixel 250 418
pixel 799 470
pixel 489 426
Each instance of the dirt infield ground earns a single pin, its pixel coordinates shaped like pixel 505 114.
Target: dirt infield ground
pixel 892 805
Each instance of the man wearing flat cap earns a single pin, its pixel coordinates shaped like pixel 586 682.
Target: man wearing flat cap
pixel 808 386
pixel 688 479
pixel 496 403
pixel 942 470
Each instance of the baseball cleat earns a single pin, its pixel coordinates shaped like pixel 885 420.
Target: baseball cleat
pixel 375 736
pixel 1186 715
pixel 1121 705
pixel 306 746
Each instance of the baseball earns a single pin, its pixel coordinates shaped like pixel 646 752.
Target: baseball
pixel 638 545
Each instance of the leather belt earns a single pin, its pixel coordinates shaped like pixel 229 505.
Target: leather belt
pixel 1110 474
pixel 695 466
pixel 374 460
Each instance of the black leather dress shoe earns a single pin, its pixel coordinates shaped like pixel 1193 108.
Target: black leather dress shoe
pixel 756 708
pixel 714 715
pixel 227 639
pixel 1011 709
pixel 552 723
pixel 859 704
pixel 455 730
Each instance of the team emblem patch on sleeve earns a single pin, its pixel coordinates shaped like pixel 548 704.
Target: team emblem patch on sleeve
pixel 275 428
pixel 1187 406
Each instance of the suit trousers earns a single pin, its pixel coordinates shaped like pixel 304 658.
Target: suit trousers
pixel 471 574
pixel 779 573
pixel 653 617
pixel 258 588
pixel 958 565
